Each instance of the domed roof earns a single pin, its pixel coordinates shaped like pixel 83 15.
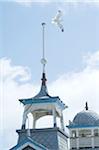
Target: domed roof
pixel 86 118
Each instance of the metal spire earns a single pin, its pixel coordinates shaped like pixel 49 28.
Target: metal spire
pixel 43 91
pixel 86 107
pixel 43 60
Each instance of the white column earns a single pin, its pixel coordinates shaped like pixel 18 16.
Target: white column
pixel 34 121
pixel 34 124
pixel 62 122
pixel 24 119
pixel 28 130
pixel 77 138
pixel 54 118
pixel 92 137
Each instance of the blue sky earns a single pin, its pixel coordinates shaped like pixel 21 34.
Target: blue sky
pixel 21 35
pixel 73 57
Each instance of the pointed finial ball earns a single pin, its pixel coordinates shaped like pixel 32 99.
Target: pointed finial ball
pixel 43 61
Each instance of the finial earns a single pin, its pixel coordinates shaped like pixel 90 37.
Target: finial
pixel 43 91
pixel 43 60
pixel 86 107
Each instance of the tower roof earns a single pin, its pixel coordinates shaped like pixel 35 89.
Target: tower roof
pixel 85 118
pixel 44 97
pixel 43 91
pixel 29 142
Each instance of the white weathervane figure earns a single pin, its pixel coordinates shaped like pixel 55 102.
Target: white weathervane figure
pixel 57 20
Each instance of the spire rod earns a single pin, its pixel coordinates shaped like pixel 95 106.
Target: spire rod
pixel 43 60
pixel 43 34
pixel 86 107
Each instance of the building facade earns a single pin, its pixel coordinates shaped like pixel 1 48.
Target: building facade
pixel 84 130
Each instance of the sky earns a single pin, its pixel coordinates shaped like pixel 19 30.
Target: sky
pixel 72 68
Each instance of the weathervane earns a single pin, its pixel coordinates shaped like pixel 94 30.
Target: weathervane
pixel 43 60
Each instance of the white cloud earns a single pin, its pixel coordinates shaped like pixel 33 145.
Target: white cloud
pixel 13 88
pixel 92 61
pixel 74 88
pixel 29 3
pixel 74 2
pixel 9 72
pixel 24 2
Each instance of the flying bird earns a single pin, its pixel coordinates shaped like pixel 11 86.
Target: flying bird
pixel 57 20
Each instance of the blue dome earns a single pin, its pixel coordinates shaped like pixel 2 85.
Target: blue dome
pixel 86 118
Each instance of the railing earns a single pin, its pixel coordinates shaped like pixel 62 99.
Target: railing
pixel 96 141
pixel 84 142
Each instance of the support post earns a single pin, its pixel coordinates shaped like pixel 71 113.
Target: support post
pixel 34 122
pixel 92 137
pixel 54 118
pixel 77 138
pixel 24 120
pixel 62 122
